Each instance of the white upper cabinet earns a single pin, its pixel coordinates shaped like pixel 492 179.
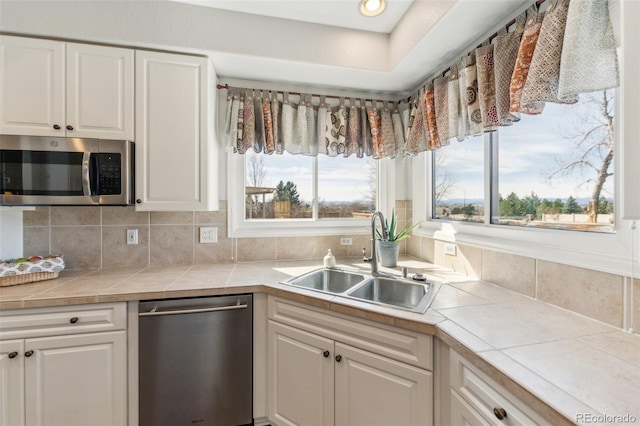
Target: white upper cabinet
pixel 52 88
pixel 32 87
pixel 100 91
pixel 174 155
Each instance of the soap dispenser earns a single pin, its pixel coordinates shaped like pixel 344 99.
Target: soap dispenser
pixel 329 260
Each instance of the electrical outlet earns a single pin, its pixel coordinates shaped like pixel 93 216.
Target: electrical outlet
pixel 346 241
pixel 208 235
pixel 132 236
pixel 450 249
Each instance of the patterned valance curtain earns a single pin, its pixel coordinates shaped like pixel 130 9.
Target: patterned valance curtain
pixel 272 122
pixel 549 56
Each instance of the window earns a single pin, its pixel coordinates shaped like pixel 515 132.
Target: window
pixel 346 187
pixel 303 195
pixel 282 186
pixel 553 170
pixel 556 169
pixel 458 192
pixel 278 186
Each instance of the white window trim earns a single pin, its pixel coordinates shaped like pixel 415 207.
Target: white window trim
pixel 240 227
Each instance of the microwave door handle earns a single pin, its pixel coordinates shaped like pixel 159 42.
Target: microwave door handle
pixel 86 180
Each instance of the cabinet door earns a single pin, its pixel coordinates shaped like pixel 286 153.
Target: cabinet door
pixel 77 380
pixel 374 390
pixel 301 377
pixel 12 382
pixel 32 100
pixel 99 92
pixel 171 131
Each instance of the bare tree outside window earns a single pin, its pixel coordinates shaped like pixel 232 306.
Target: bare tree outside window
pixel 458 176
pixel 255 176
pixel 594 145
pixel 445 180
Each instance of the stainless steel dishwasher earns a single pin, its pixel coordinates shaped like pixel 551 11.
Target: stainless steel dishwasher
pixel 195 361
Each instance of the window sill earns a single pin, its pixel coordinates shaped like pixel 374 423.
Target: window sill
pixel 611 253
pixel 297 227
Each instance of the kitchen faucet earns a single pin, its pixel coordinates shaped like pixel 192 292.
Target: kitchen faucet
pixel 373 259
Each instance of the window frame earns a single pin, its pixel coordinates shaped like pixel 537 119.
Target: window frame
pixel 240 227
pixel 607 252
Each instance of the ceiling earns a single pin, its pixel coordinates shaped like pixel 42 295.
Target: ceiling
pixel 282 44
pixel 337 13
pixel 394 51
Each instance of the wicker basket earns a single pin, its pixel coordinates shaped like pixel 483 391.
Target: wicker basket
pixel 27 278
pixel 12 273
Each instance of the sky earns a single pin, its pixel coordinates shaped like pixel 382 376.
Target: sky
pixel 529 151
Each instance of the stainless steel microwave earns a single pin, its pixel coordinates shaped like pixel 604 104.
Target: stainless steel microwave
pixel 40 170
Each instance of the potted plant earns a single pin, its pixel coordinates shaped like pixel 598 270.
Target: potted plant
pixel 389 249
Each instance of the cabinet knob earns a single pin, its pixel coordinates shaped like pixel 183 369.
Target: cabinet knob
pixel 13 355
pixel 28 353
pixel 139 201
pixel 56 126
pixel 73 320
pixel 338 358
pixel 500 413
pixel 69 127
pixel 326 354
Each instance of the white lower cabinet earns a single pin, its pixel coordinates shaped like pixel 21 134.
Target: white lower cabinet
pixel 322 371
pixel 463 414
pixel 302 377
pixel 11 382
pixel 476 399
pixel 67 379
pixel 374 390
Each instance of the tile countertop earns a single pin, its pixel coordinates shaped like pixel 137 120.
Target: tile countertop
pixel 559 363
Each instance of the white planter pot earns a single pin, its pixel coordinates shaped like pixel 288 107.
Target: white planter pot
pixel 388 252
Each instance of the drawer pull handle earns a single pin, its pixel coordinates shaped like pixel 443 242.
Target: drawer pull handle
pixel 500 413
pixel 326 354
pixel 338 358
pixel 28 353
pixel 56 126
pixel 73 320
pixel 13 355
pixel 69 127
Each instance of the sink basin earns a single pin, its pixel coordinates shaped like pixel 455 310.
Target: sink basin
pixel 391 291
pixel 327 280
pixel 397 292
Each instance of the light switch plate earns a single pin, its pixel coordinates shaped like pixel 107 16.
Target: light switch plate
pixel 208 235
pixel 450 249
pixel 344 241
pixel 132 236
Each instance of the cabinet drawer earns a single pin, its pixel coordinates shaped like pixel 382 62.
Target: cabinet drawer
pixel 54 321
pixel 482 395
pixel 463 414
pixel 402 345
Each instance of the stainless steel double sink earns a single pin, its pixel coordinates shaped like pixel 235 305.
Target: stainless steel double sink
pixel 387 290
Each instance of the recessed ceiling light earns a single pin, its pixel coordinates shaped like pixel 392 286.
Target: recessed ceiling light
pixel 372 7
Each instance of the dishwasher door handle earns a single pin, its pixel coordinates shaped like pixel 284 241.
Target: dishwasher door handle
pixel 155 312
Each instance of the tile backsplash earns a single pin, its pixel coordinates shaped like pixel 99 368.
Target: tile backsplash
pixel 95 238
pixel 594 294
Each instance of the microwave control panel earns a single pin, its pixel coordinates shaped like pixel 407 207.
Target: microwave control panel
pixel 109 173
